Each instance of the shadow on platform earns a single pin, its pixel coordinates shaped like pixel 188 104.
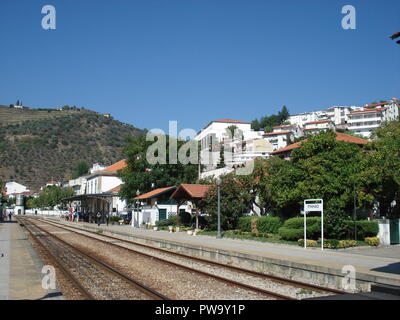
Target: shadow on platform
pixel 393 268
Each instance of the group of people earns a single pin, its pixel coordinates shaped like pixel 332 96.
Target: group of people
pixel 72 216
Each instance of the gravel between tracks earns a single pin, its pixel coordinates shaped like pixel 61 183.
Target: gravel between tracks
pixel 172 281
pixel 101 283
pixel 255 281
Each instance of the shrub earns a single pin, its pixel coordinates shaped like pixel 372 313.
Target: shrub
pixel 244 223
pixel 347 243
pixel 372 241
pixel 290 234
pixel 293 228
pixel 171 221
pixel 310 243
pixel 331 243
pixel 115 218
pixel 364 228
pixel 268 224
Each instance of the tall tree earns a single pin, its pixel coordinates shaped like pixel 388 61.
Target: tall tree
pixel 81 168
pixel 382 168
pixel 142 176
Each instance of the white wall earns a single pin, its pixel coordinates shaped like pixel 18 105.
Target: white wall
pixel 384 231
pixel 14 187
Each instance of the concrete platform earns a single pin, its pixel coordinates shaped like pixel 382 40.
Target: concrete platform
pixel 372 265
pixel 20 267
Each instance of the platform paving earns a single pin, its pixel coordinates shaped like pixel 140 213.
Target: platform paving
pixel 20 267
pixel 381 265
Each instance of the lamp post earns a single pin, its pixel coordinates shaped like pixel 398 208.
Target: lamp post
pixel 219 208
pixel 137 208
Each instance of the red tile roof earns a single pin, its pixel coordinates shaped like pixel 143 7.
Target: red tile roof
pixel 368 110
pixel 116 166
pixel 230 121
pixel 115 189
pixel 319 121
pixel 153 193
pixel 339 137
pixel 194 191
pixel 377 104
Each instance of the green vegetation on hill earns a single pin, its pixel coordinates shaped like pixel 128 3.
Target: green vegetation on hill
pixel 36 147
pixel 267 122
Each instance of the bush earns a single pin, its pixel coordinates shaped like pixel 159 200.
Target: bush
pixel 372 241
pixel 293 228
pixel 115 218
pixel 244 223
pixel 331 243
pixel 310 243
pixel 347 243
pixel 334 243
pixel 364 228
pixel 290 234
pixel 171 221
pixel 268 224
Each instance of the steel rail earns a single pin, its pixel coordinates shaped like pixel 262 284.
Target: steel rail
pixel 76 283
pixel 276 279
pixel 145 289
pixel 225 280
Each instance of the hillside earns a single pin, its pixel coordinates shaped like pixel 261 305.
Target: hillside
pixel 37 146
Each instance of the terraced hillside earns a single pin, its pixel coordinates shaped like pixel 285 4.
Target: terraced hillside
pixel 38 149
pixel 12 115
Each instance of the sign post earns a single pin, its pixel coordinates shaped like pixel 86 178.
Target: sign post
pixel 309 206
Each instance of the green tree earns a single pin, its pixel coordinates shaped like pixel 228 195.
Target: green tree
pixel 235 201
pixel 81 168
pixel 221 162
pixel 382 168
pixel 143 176
pixel 320 168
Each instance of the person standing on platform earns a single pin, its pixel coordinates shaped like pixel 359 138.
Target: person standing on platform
pixel 9 215
pixel 98 215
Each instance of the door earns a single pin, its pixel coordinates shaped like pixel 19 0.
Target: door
pixel 394 231
pixel 162 214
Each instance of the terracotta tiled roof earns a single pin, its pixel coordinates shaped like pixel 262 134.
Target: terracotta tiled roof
pixel 348 138
pixel 193 190
pixel 116 166
pixel 153 193
pixel 319 121
pixel 377 104
pixel 276 133
pixel 288 148
pixel 339 137
pixel 368 110
pixel 230 121
pixel 115 189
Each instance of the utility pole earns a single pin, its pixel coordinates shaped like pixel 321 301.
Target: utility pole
pixel 354 211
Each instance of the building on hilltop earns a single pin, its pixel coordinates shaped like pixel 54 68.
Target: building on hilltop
pixel 13 188
pixel 286 151
pixel 370 117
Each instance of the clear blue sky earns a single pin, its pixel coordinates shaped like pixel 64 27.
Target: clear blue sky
pixel 150 61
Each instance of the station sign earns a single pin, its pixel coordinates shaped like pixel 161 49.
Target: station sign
pixel 313 207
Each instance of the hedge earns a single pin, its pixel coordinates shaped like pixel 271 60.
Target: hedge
pixel 244 223
pixel 293 229
pixel 268 224
pixel 365 228
pixel 265 224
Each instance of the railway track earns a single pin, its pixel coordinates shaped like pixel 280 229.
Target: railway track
pixel 94 279
pixel 117 242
